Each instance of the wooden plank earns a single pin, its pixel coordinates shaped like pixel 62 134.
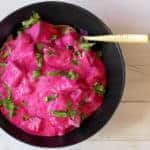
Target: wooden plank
pixel 137 72
pixel 131 121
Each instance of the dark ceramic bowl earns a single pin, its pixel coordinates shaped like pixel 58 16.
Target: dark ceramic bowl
pixel 63 13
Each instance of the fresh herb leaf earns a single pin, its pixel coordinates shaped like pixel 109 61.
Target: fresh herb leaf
pixel 71 113
pixel 77 53
pixel 71 75
pixel 39 46
pixel 99 89
pixel 36 74
pixel 8 104
pixel 86 46
pixel 39 60
pixel 32 20
pixel 2 64
pixel 68 113
pixel 61 114
pixel 50 97
pixel 75 62
pixel 53 73
pixel 39 57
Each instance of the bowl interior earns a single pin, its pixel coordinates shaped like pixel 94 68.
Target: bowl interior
pixel 62 13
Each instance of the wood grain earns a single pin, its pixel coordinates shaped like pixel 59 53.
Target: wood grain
pixel 137 58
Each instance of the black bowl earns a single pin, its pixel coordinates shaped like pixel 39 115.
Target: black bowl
pixel 63 13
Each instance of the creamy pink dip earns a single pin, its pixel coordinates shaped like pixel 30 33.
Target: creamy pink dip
pixel 54 82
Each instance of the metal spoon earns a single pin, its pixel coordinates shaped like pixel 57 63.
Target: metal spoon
pixel 121 38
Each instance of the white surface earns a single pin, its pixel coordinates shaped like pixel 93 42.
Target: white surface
pixel 129 127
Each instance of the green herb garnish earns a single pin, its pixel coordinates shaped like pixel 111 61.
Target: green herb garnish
pixel 36 74
pixel 75 62
pixel 53 73
pixel 99 89
pixel 68 113
pixel 50 97
pixel 86 46
pixel 71 75
pixel 71 113
pixel 8 104
pixel 2 64
pixel 39 46
pixel 32 20
pixel 39 57
pixel 60 114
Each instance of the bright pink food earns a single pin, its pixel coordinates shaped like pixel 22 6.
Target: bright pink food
pixel 50 81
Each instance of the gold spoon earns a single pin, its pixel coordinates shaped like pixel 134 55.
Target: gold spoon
pixel 121 38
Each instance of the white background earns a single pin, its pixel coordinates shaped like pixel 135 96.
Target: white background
pixel 129 127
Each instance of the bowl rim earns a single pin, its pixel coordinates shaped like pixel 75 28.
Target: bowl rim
pixel 117 46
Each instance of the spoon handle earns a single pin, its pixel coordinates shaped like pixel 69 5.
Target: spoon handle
pixel 121 38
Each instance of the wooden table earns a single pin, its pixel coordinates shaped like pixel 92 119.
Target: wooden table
pixel 129 128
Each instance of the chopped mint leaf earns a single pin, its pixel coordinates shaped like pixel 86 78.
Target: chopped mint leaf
pixel 40 61
pixel 53 73
pixel 99 88
pixel 2 64
pixel 75 62
pixel 86 46
pixel 77 53
pixel 36 74
pixel 71 75
pixel 61 114
pixel 8 104
pixel 39 46
pixel 38 54
pixel 71 113
pixel 50 97
pixel 32 20
pixel 1 102
pixel 68 113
